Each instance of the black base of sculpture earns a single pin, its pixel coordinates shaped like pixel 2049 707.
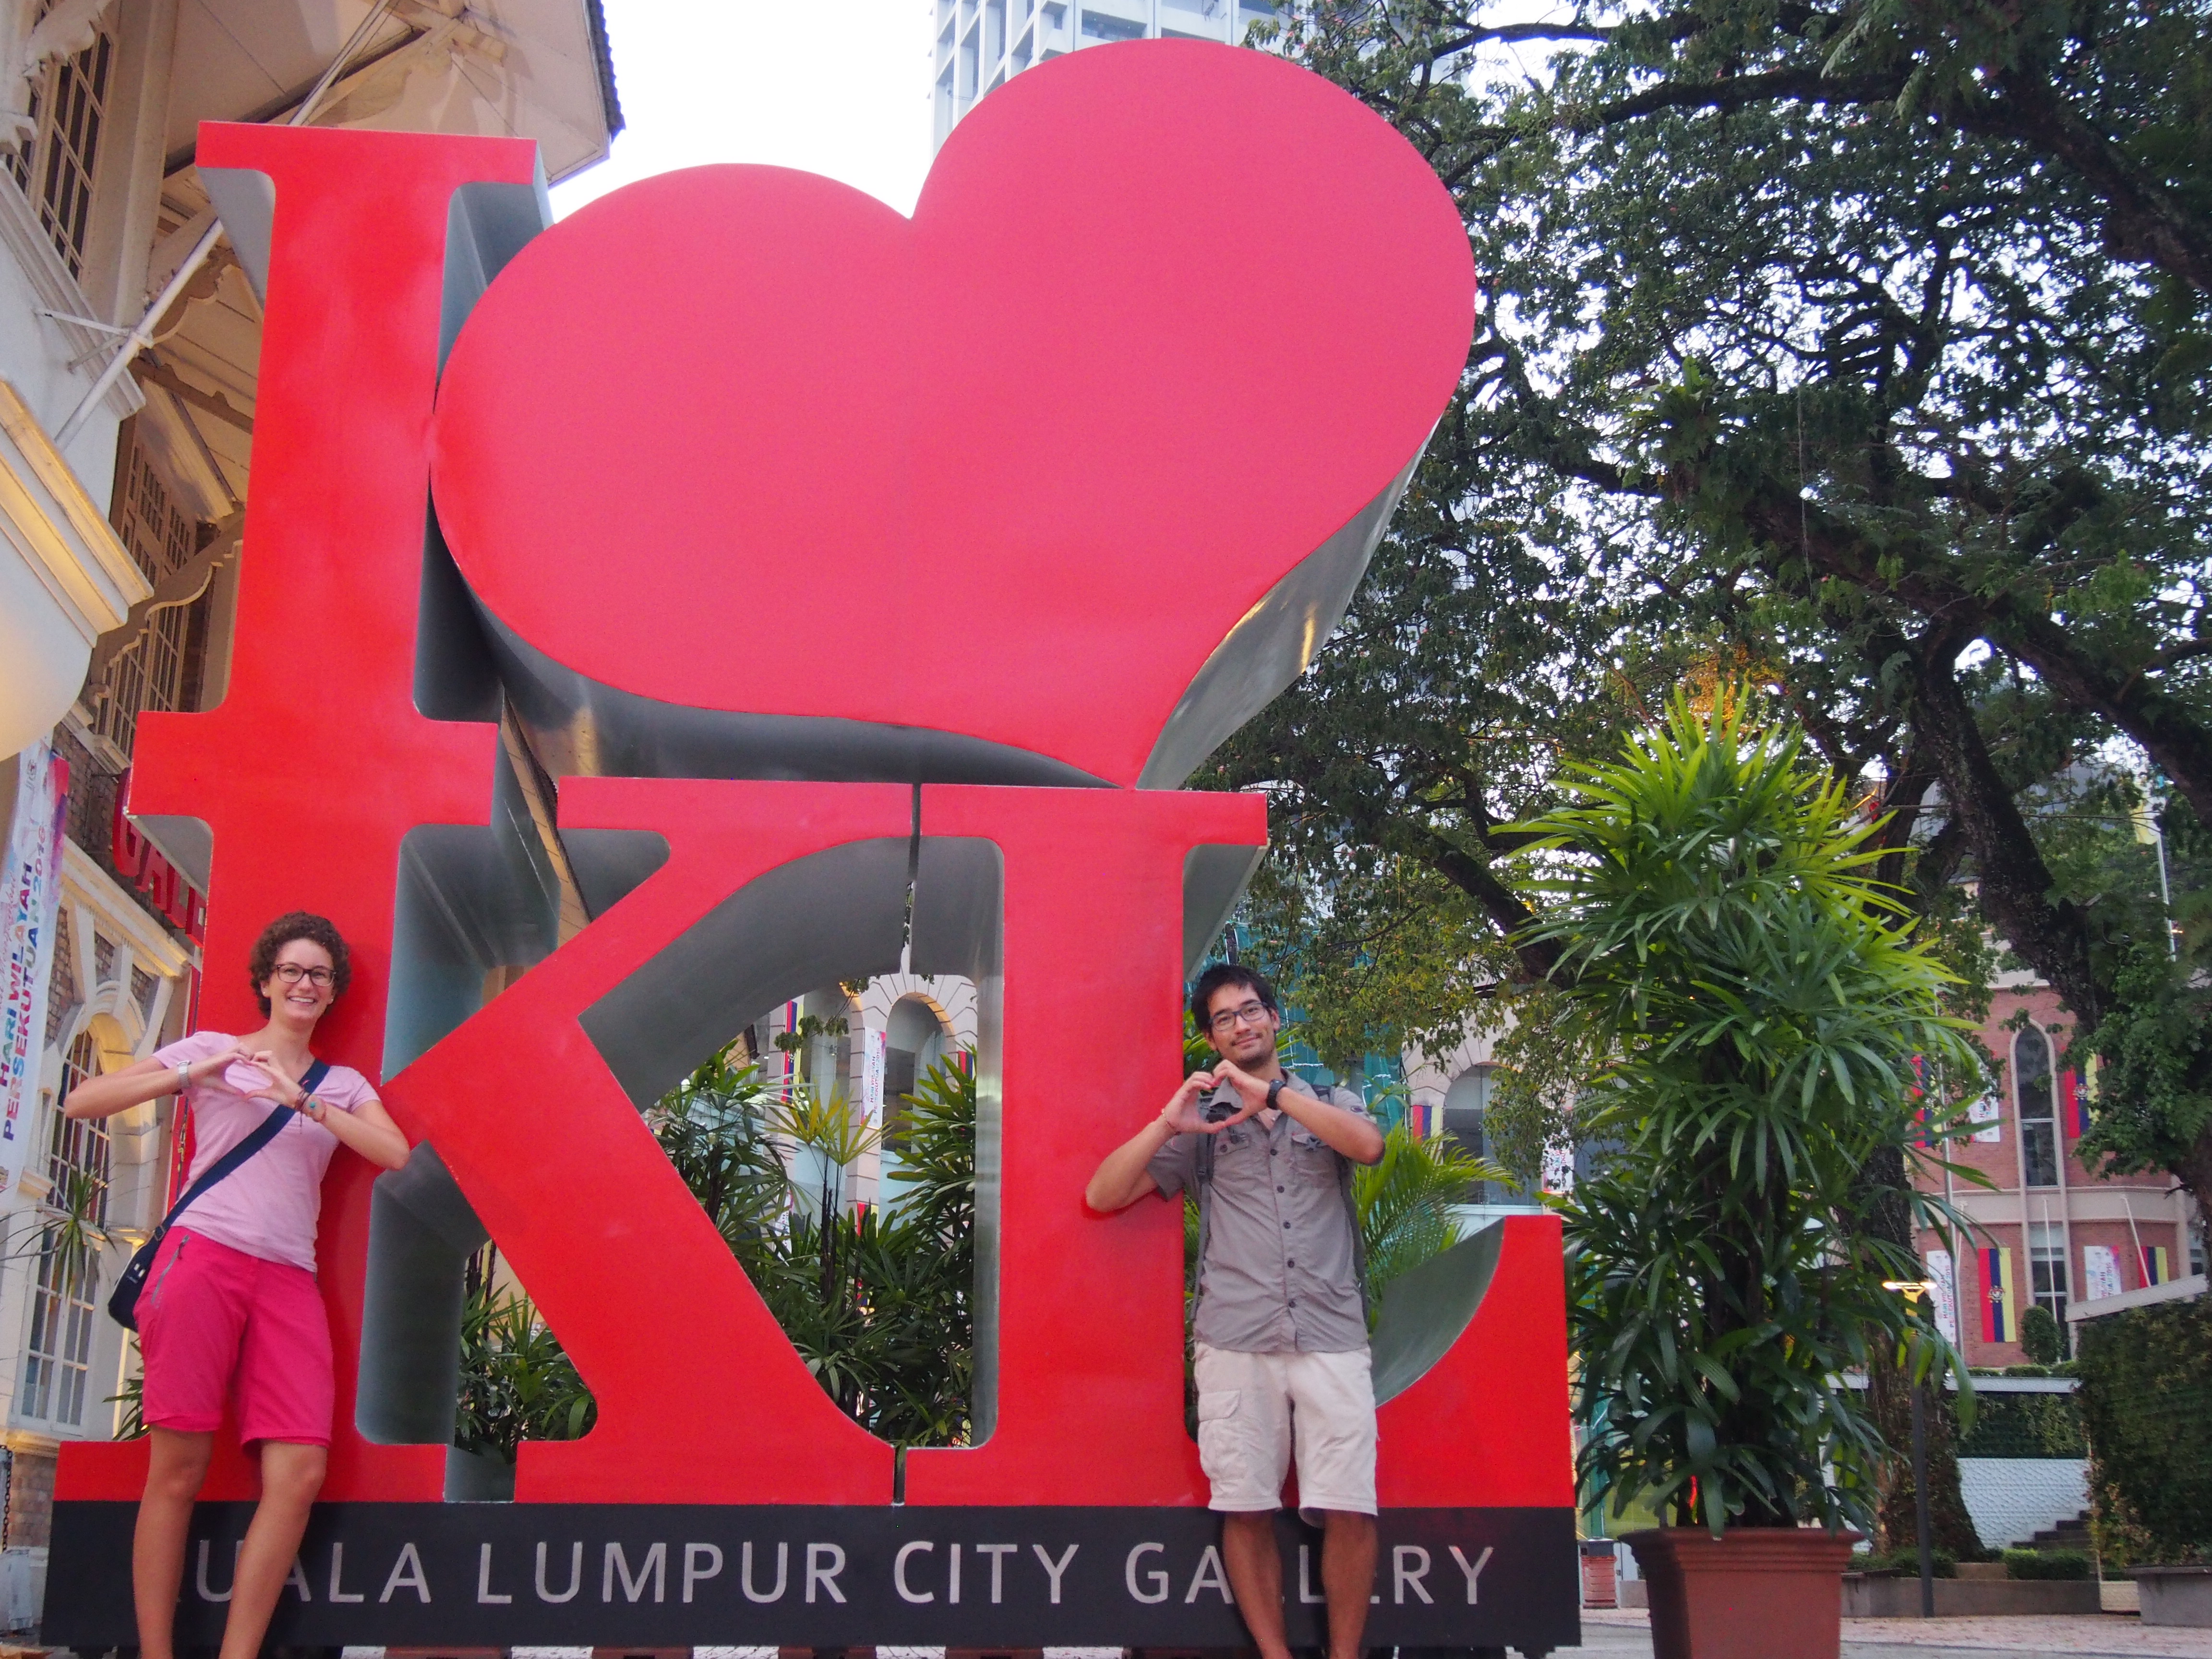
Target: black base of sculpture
pixel 504 1575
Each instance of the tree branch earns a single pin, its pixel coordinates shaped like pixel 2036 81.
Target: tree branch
pixel 2168 728
pixel 2145 222
pixel 1808 85
pixel 1499 902
pixel 2015 885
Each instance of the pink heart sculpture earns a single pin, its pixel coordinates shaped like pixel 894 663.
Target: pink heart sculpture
pixel 1167 318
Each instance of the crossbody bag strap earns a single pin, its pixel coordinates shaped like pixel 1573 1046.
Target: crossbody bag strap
pixel 1202 1156
pixel 264 1133
pixel 1344 1178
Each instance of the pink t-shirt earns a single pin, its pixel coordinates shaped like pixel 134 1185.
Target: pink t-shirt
pixel 266 1206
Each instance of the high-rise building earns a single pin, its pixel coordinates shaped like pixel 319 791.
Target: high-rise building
pixel 981 44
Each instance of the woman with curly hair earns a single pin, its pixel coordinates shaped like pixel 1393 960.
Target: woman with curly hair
pixel 231 1313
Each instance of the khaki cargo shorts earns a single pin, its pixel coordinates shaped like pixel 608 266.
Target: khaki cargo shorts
pixel 1253 1407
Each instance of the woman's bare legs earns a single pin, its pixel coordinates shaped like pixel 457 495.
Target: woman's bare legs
pixel 173 1474
pixel 291 1475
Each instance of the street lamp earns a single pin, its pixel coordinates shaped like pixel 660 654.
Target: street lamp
pixel 1912 1289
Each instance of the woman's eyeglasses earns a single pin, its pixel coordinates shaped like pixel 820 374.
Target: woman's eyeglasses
pixel 290 973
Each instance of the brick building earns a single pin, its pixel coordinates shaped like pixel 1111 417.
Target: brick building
pixel 2048 1231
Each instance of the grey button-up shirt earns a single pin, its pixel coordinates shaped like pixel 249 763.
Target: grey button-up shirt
pixel 1279 1276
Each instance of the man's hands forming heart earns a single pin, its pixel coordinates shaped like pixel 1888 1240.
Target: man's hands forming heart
pixel 1183 1114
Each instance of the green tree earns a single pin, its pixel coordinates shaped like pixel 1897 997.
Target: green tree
pixel 1856 346
pixel 1770 1023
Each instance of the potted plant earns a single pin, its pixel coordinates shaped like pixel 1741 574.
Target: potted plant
pixel 1767 1025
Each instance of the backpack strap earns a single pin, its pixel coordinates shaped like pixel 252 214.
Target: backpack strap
pixel 1344 1179
pixel 1203 1157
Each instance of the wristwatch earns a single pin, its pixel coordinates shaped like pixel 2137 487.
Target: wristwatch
pixel 1275 1089
pixel 184 1077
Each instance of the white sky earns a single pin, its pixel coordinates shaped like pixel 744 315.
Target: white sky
pixel 839 89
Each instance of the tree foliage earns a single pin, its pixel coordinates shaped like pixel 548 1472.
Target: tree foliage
pixel 2146 1400
pixel 877 1302
pixel 1854 347
pixel 517 1383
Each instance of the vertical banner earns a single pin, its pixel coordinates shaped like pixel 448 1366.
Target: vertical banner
pixel 872 1045
pixel 33 883
pixel 2074 1105
pixel 1988 1118
pixel 2100 1271
pixel 2003 1321
pixel 2155 1268
pixel 1943 1276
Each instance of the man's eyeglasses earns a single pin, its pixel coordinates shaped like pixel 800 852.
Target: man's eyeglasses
pixel 290 973
pixel 1252 1013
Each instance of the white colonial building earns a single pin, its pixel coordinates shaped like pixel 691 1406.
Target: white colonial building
pixel 129 341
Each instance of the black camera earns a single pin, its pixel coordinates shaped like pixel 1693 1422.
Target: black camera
pixel 1218 1110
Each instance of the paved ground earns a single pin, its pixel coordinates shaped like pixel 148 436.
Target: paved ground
pixel 1627 1634
pixel 1624 1635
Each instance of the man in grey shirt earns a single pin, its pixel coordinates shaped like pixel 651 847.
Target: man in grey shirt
pixel 1281 1330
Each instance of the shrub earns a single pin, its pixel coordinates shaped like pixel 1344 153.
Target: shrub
pixel 1906 1564
pixel 876 1303
pixel 2069 1565
pixel 2024 1425
pixel 2146 1400
pixel 517 1382
pixel 2040 1338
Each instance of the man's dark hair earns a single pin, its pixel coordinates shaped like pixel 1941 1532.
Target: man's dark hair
pixel 1229 973
pixel 293 925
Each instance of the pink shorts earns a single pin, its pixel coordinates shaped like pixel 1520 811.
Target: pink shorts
pixel 216 1323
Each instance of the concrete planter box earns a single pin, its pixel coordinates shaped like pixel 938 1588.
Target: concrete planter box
pixel 1867 1597
pixel 2175 1596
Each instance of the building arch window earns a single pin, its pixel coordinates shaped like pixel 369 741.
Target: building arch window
pixel 58 1355
pixel 2035 1103
pixel 80 1152
pixel 914 1040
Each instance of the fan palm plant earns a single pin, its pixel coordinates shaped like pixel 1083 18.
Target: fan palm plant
pixel 1409 1201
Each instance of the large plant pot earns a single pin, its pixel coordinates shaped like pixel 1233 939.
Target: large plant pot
pixel 1756 1593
